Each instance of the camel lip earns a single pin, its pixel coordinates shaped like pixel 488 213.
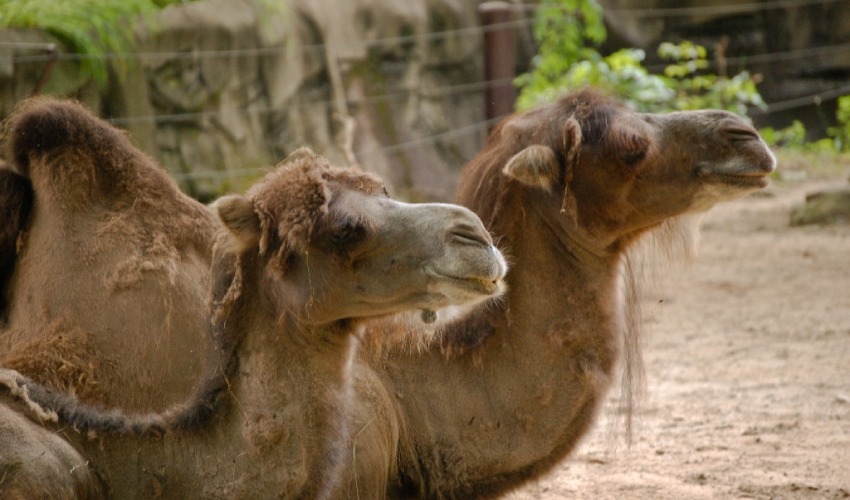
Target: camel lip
pixel 483 286
pixel 741 175
pixel 755 180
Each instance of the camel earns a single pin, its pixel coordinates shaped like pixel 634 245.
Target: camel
pixel 567 189
pixel 99 229
pixel 304 259
pixel 506 392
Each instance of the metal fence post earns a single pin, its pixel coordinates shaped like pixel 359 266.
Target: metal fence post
pixel 499 58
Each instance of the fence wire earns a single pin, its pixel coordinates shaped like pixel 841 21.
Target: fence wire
pixel 448 90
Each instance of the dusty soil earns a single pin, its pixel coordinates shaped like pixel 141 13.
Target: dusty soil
pixel 748 369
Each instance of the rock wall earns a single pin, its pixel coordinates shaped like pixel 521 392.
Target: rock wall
pixel 220 89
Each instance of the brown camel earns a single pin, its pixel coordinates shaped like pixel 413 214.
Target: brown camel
pixel 307 256
pixel 508 391
pixel 37 459
pixel 107 231
pixel 567 190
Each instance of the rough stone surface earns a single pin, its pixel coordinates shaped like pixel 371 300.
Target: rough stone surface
pixel 222 89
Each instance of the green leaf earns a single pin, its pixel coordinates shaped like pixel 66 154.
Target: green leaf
pixel 95 29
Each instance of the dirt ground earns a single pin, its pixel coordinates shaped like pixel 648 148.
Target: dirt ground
pixel 748 368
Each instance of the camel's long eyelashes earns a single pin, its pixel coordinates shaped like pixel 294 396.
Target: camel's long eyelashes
pixel 633 158
pixel 344 234
pixel 347 235
pixel 630 147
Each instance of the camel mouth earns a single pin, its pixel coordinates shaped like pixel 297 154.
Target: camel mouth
pixel 739 180
pixel 741 175
pixel 471 282
pixel 470 285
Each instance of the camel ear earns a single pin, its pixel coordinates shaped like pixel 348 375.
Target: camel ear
pixel 238 216
pixel 534 166
pixel 572 146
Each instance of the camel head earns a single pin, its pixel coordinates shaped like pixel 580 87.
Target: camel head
pixel 613 173
pixel 337 247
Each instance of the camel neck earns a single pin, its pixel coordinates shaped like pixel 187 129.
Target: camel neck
pixel 279 417
pixel 298 377
pixel 536 381
pixel 292 393
pixel 566 242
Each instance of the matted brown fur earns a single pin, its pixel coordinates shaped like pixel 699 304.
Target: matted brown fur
pixel 66 361
pixel 107 229
pixel 299 261
pixel 91 162
pixel 568 190
pixel 304 187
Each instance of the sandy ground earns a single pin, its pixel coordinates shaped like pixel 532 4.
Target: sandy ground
pixel 748 369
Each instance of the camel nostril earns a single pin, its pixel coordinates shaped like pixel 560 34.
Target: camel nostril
pixel 740 134
pixel 469 235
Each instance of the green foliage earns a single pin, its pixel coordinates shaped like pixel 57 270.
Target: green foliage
pixel 840 134
pixel 697 89
pixel 565 61
pixel 794 135
pixel 620 73
pixel 566 31
pixel 92 28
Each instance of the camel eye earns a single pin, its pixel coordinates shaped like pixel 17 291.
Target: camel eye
pixel 347 234
pixel 632 158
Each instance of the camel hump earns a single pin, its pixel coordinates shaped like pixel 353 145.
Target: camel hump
pixel 45 126
pixel 62 146
pixel 15 204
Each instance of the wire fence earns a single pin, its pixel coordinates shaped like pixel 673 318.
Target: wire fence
pixel 308 49
pixel 729 9
pixel 471 31
pixel 455 133
pixel 404 92
pixel 34 53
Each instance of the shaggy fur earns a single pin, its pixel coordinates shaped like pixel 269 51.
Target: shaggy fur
pixel 568 190
pixel 87 161
pixel 301 259
pixel 525 377
pixel 104 224
pixel 66 359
